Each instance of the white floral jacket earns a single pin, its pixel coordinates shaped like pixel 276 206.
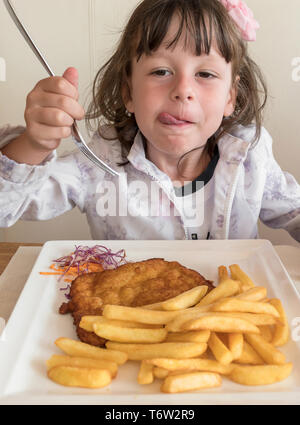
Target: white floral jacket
pixel 248 185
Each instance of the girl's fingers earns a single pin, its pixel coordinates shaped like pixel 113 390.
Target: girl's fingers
pixel 49 116
pixel 58 85
pixel 48 133
pixel 51 100
pixel 51 108
pixel 71 74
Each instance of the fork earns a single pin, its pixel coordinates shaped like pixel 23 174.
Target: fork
pixel 76 136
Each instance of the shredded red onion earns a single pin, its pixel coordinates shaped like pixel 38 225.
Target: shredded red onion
pixel 98 254
pixel 67 294
pixel 84 255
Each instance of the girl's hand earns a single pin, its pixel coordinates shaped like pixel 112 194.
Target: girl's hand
pixel 51 108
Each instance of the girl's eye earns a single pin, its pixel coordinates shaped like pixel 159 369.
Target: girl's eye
pixel 205 75
pixel 161 72
pixel 165 72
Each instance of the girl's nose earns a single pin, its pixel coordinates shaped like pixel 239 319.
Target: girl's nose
pixel 183 90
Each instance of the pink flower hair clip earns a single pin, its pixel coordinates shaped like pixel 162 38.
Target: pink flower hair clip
pixel 243 17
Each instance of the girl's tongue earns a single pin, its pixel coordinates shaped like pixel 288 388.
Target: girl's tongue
pixel 169 119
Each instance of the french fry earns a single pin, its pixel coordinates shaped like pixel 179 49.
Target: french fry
pixel 192 336
pixel 190 381
pixel 258 293
pixel 238 274
pixel 266 333
pixel 145 375
pixel 131 335
pixel 205 365
pixel 176 324
pixel 249 356
pixel 219 349
pixel 159 372
pixel 137 314
pixel 155 306
pixel 221 323
pixel 223 337
pixel 281 332
pixel 71 376
pixel 186 299
pixel 238 305
pixel 226 288
pixel 85 362
pixel 81 349
pixel 165 349
pixel 87 322
pixel 260 375
pixel 266 350
pixel 258 319
pixel 223 274
pixel 235 344
pixel 180 372
pixel 189 298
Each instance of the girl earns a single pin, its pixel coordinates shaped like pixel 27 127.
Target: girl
pixel 179 114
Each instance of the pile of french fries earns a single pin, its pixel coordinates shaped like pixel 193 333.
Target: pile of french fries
pixel 190 341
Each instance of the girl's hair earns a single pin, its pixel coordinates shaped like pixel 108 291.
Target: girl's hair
pixel 207 22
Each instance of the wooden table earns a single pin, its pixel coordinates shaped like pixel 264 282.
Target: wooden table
pixel 8 249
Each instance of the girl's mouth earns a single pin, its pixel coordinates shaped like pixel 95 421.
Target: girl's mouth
pixel 168 119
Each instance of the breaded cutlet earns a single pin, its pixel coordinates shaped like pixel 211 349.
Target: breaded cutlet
pixel 133 284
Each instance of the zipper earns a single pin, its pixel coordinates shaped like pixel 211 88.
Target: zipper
pixel 153 178
pixel 170 200
pixel 228 205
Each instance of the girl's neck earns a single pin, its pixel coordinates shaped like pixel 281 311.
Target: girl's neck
pixel 190 167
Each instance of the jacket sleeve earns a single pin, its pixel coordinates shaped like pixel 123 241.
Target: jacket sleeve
pixel 37 192
pixel 281 197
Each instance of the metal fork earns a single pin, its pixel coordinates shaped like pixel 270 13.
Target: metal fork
pixel 77 137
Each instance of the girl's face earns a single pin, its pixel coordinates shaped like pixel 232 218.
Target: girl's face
pixel 179 99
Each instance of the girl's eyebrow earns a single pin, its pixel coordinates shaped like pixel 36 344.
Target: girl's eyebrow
pixel 213 58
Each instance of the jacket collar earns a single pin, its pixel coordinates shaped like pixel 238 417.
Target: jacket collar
pixel 137 157
pixel 233 148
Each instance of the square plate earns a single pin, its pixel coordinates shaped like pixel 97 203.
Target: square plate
pixel 35 324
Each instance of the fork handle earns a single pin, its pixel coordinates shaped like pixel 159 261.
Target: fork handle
pixel 27 37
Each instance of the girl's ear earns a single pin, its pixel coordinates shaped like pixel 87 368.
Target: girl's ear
pixel 231 101
pixel 126 95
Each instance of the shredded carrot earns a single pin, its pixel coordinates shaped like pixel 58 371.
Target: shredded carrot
pixel 73 271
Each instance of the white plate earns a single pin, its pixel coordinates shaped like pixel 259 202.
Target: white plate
pixel 35 324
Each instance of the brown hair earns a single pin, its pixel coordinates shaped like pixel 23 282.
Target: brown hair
pixel 144 33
